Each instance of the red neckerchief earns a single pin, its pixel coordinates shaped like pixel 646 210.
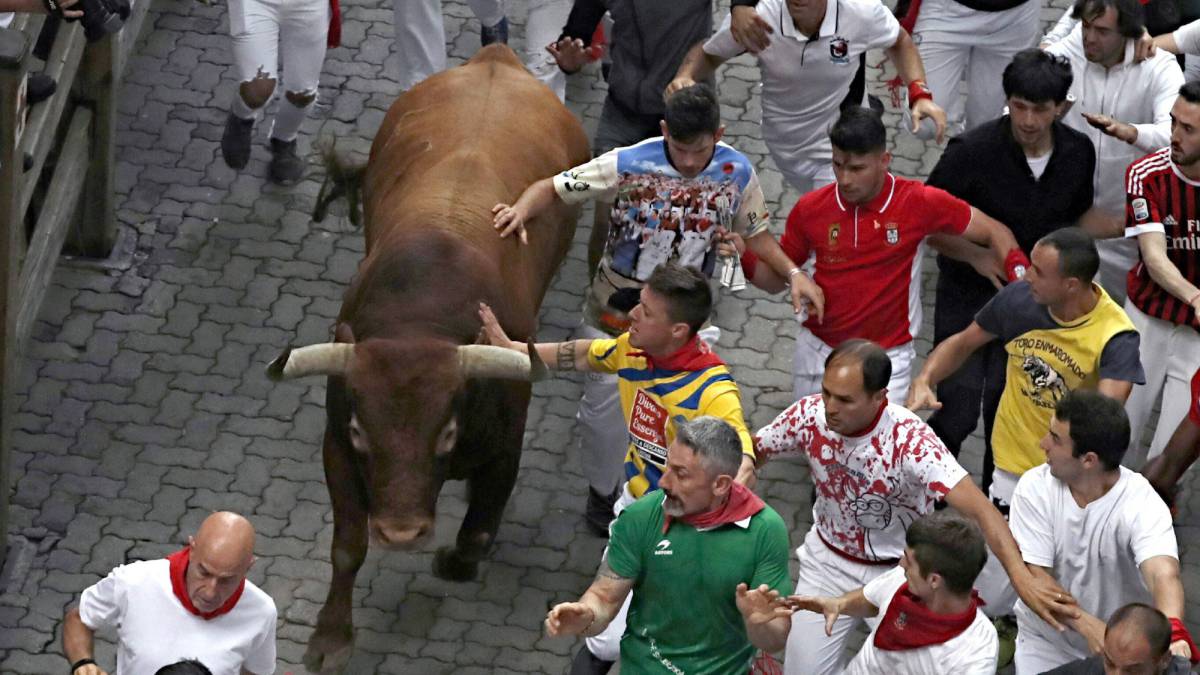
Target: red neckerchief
pixel 874 421
pixel 334 38
pixel 909 624
pixel 179 566
pixel 695 355
pixel 741 504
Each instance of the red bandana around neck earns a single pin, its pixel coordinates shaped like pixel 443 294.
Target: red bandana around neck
pixel 909 623
pixel 741 504
pixel 695 355
pixel 179 565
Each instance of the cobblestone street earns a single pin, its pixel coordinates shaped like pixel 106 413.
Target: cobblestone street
pixel 144 405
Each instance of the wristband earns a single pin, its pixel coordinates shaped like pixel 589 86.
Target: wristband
pixel 917 90
pixel 81 662
pixel 793 272
pixel 749 263
pixel 1180 632
pixel 1015 265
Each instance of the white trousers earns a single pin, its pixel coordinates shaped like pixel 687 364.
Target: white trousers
pixel 823 572
pixel 955 40
pixel 542 27
pixel 1170 357
pixel 993 583
pixel 607 645
pixel 804 175
pixel 1034 655
pixel 809 366
pixel 263 31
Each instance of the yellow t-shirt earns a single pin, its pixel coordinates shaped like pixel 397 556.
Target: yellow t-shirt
pixel 653 400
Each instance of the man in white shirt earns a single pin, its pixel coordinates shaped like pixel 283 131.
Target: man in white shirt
pixel 1124 107
pixel 1095 527
pixel 806 73
pixel 928 619
pixel 196 603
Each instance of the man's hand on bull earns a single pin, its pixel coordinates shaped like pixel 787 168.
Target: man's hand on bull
pixel 508 219
pixel 492 333
pixel 570 54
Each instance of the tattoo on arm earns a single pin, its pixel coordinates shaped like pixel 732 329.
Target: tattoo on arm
pixel 606 572
pixel 566 356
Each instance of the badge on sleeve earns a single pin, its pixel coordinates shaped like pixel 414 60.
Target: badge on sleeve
pixel 839 50
pixel 1141 211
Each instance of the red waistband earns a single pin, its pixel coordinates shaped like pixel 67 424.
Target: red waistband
pixel 853 558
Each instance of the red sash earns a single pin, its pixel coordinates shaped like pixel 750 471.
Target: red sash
pixel 909 624
pixel 179 565
pixel 741 504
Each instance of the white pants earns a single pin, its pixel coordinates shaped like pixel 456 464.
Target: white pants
pixel 823 572
pixel 265 30
pixel 1034 655
pixel 809 366
pixel 1170 357
pixel 603 433
pixel 543 26
pixel 804 175
pixel 421 35
pixel 607 645
pixel 955 40
pixel 993 583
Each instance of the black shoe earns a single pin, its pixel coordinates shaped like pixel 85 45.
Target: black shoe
pixel 39 88
pixel 497 33
pixel 586 663
pixel 235 142
pixel 599 512
pixel 286 166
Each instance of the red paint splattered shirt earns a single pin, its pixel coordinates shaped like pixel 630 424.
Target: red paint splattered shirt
pixel 869 487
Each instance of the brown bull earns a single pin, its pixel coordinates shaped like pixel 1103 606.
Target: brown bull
pixel 411 400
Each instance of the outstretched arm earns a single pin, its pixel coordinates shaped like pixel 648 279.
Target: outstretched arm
pixel 570 355
pixel 592 613
pixel 535 199
pixel 942 362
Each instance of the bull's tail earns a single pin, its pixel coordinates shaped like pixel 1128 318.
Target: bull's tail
pixel 342 178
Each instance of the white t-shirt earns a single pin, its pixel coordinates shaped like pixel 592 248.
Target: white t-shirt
pixel 1038 164
pixel 804 80
pixel 971 652
pixel 155 630
pixel 1094 552
pixel 870 488
pixel 1187 38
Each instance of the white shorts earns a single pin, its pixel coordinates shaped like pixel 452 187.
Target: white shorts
pixel 265 30
pixel 809 366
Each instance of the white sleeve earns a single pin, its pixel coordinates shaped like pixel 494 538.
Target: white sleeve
pixel 1029 519
pixel 722 44
pixel 1069 46
pixel 1152 529
pixel 879 591
pixel 102 604
pixel 886 28
pixel 1062 28
pixel 261 659
pixel 1187 38
pixel 983 659
pixel 753 216
pixel 1165 80
pixel 596 180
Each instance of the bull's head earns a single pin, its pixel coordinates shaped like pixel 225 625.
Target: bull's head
pixel 397 412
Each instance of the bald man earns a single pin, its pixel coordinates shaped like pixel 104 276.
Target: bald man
pixel 193 604
pixel 1137 639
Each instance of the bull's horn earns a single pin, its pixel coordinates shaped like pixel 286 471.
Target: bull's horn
pixel 497 362
pixel 329 358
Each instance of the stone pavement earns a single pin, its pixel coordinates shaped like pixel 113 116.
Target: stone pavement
pixel 145 405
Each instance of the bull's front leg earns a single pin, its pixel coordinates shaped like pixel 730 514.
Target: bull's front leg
pixel 488 490
pixel 332 643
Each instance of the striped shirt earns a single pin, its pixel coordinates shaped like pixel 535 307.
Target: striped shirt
pixel 1160 199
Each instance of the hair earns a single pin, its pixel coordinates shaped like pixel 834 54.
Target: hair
pixel 876 366
pixel 1077 254
pixel 715 442
pixel 948 545
pixel 858 131
pixel 692 112
pixel 1190 92
pixel 1131 16
pixel 1038 76
pixel 1098 424
pixel 185 667
pixel 1149 621
pixel 689 298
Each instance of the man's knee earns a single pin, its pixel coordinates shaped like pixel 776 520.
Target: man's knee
pixel 255 93
pixel 301 99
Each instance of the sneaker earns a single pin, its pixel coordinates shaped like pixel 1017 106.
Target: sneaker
pixel 497 33
pixel 286 166
pixel 1006 630
pixel 599 512
pixel 235 142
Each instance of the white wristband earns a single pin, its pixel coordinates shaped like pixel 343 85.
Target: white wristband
pixel 793 272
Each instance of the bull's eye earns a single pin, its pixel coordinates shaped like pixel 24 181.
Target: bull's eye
pixel 446 438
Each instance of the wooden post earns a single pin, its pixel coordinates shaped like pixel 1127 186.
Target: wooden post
pixel 14 53
pixel 98 85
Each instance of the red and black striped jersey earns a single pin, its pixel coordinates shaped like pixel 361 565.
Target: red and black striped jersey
pixel 1160 199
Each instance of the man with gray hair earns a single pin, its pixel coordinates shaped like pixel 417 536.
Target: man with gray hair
pixel 680 620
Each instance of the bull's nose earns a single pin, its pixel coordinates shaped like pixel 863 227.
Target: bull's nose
pixel 400 535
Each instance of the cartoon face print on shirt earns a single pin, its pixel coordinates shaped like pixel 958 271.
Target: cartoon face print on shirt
pixel 873 512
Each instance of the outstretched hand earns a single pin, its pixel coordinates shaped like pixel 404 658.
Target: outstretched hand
pixel 820 605
pixel 760 605
pixel 491 333
pixel 569 618
pixel 509 219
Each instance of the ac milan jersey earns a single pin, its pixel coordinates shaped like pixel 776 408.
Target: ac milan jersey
pixel 1194 408
pixel 868 257
pixel 870 488
pixel 1160 199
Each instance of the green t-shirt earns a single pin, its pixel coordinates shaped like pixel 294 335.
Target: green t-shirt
pixel 683 617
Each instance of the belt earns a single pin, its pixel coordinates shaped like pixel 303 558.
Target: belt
pixel 853 558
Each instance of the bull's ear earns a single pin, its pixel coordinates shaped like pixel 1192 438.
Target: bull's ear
pixel 537 368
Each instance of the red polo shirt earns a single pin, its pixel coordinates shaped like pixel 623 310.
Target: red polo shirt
pixel 868 258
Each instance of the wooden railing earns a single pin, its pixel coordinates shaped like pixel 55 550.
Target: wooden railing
pixel 66 196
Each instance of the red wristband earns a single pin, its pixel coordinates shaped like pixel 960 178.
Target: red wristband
pixel 1180 632
pixel 749 264
pixel 1016 263
pixel 917 90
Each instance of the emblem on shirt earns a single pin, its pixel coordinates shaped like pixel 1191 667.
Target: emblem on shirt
pixel 648 429
pixel 839 50
pixel 663 548
pixel 872 512
pixel 892 233
pixel 902 621
pixel 834 230
pixel 573 183
pixel 1170 221
pixel 1141 210
pixel 1048 384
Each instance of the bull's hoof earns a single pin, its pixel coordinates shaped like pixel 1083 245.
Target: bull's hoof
pixel 448 564
pixel 328 655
